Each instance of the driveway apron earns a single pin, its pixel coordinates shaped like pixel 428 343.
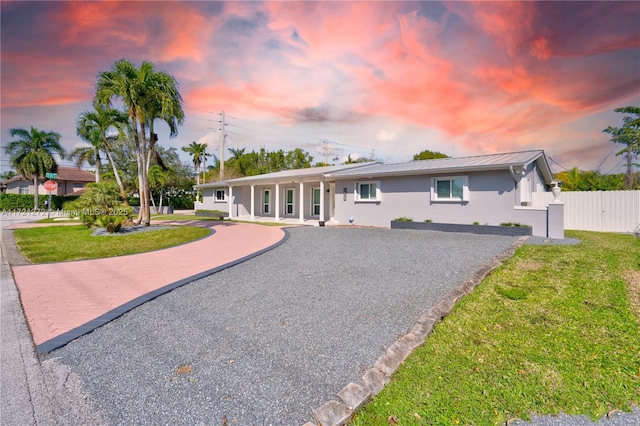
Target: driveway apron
pixel 61 297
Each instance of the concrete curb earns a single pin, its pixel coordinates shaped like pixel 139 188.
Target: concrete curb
pixel 354 396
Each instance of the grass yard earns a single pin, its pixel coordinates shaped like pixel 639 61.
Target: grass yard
pixel 63 243
pixel 555 329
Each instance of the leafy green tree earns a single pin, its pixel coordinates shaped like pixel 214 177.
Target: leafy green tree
pixel 590 180
pixel 570 179
pixel 629 135
pixel 429 155
pixel 32 154
pixel 148 95
pixel 7 175
pixel 298 159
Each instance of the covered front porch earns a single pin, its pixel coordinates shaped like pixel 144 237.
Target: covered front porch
pixel 302 202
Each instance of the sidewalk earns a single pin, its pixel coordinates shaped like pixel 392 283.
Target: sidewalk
pixel 63 301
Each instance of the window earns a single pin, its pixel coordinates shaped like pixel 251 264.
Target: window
pixel 454 188
pixel 23 189
pixel 219 195
pixel 367 191
pixel 78 186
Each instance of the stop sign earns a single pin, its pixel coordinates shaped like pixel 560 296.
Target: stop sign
pixel 50 185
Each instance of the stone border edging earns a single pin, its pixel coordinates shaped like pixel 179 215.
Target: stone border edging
pixel 353 396
pixel 86 328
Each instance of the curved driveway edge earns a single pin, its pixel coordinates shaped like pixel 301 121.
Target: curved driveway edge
pixel 63 301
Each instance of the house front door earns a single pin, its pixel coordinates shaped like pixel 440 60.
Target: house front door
pixel 315 201
pixel 289 196
pixel 266 201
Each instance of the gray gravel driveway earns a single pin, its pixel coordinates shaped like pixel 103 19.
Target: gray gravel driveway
pixel 272 339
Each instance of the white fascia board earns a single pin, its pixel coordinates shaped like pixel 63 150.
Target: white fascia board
pixel 445 171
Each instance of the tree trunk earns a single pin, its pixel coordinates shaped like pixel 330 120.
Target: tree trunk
pixel 123 193
pixel 98 165
pixel 143 177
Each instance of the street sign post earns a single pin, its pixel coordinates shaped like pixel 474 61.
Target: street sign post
pixel 51 175
pixel 50 185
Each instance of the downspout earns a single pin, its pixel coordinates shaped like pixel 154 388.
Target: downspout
pixel 516 179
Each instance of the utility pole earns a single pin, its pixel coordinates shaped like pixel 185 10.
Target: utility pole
pixel 222 136
pixel 326 152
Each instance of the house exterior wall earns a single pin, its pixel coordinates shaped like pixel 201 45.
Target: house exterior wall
pixel 64 187
pixel 492 200
pixel 209 201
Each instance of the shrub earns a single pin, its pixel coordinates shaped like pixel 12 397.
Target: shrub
pixel 101 206
pixel 516 224
pixel 403 219
pixel 428 221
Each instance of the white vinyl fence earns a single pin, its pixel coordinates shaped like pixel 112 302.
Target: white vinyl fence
pixel 605 211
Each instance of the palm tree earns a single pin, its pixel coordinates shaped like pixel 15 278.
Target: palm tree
pixel 89 154
pixel 148 95
pixel 629 135
pixel 237 153
pixel 198 156
pixel 32 154
pixel 93 127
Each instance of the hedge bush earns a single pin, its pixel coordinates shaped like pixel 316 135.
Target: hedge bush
pixel 13 202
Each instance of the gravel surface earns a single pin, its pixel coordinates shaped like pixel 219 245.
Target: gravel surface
pixel 272 339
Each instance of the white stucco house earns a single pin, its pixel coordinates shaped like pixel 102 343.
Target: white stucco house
pixel 486 189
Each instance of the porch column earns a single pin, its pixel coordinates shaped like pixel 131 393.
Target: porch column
pixel 230 202
pixel 332 201
pixel 322 200
pixel 277 210
pixel 301 206
pixel 253 196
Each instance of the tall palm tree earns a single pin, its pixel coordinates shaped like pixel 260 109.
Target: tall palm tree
pixel 32 154
pixel 148 95
pixel 93 127
pixel 198 156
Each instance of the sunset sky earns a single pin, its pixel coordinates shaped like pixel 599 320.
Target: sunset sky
pixel 388 79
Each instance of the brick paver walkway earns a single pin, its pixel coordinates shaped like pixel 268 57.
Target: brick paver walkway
pixel 60 297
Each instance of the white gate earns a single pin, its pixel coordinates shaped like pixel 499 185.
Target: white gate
pixel 605 211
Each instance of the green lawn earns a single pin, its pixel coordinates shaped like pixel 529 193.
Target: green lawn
pixel 552 330
pixel 62 243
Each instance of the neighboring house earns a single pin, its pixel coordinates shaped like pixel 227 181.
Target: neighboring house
pixel 70 181
pixel 486 189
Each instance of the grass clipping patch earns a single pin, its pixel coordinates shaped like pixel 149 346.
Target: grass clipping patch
pixel 63 243
pixel 553 330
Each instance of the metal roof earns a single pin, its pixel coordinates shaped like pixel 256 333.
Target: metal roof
pixel 310 173
pixel 442 165
pixel 439 165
